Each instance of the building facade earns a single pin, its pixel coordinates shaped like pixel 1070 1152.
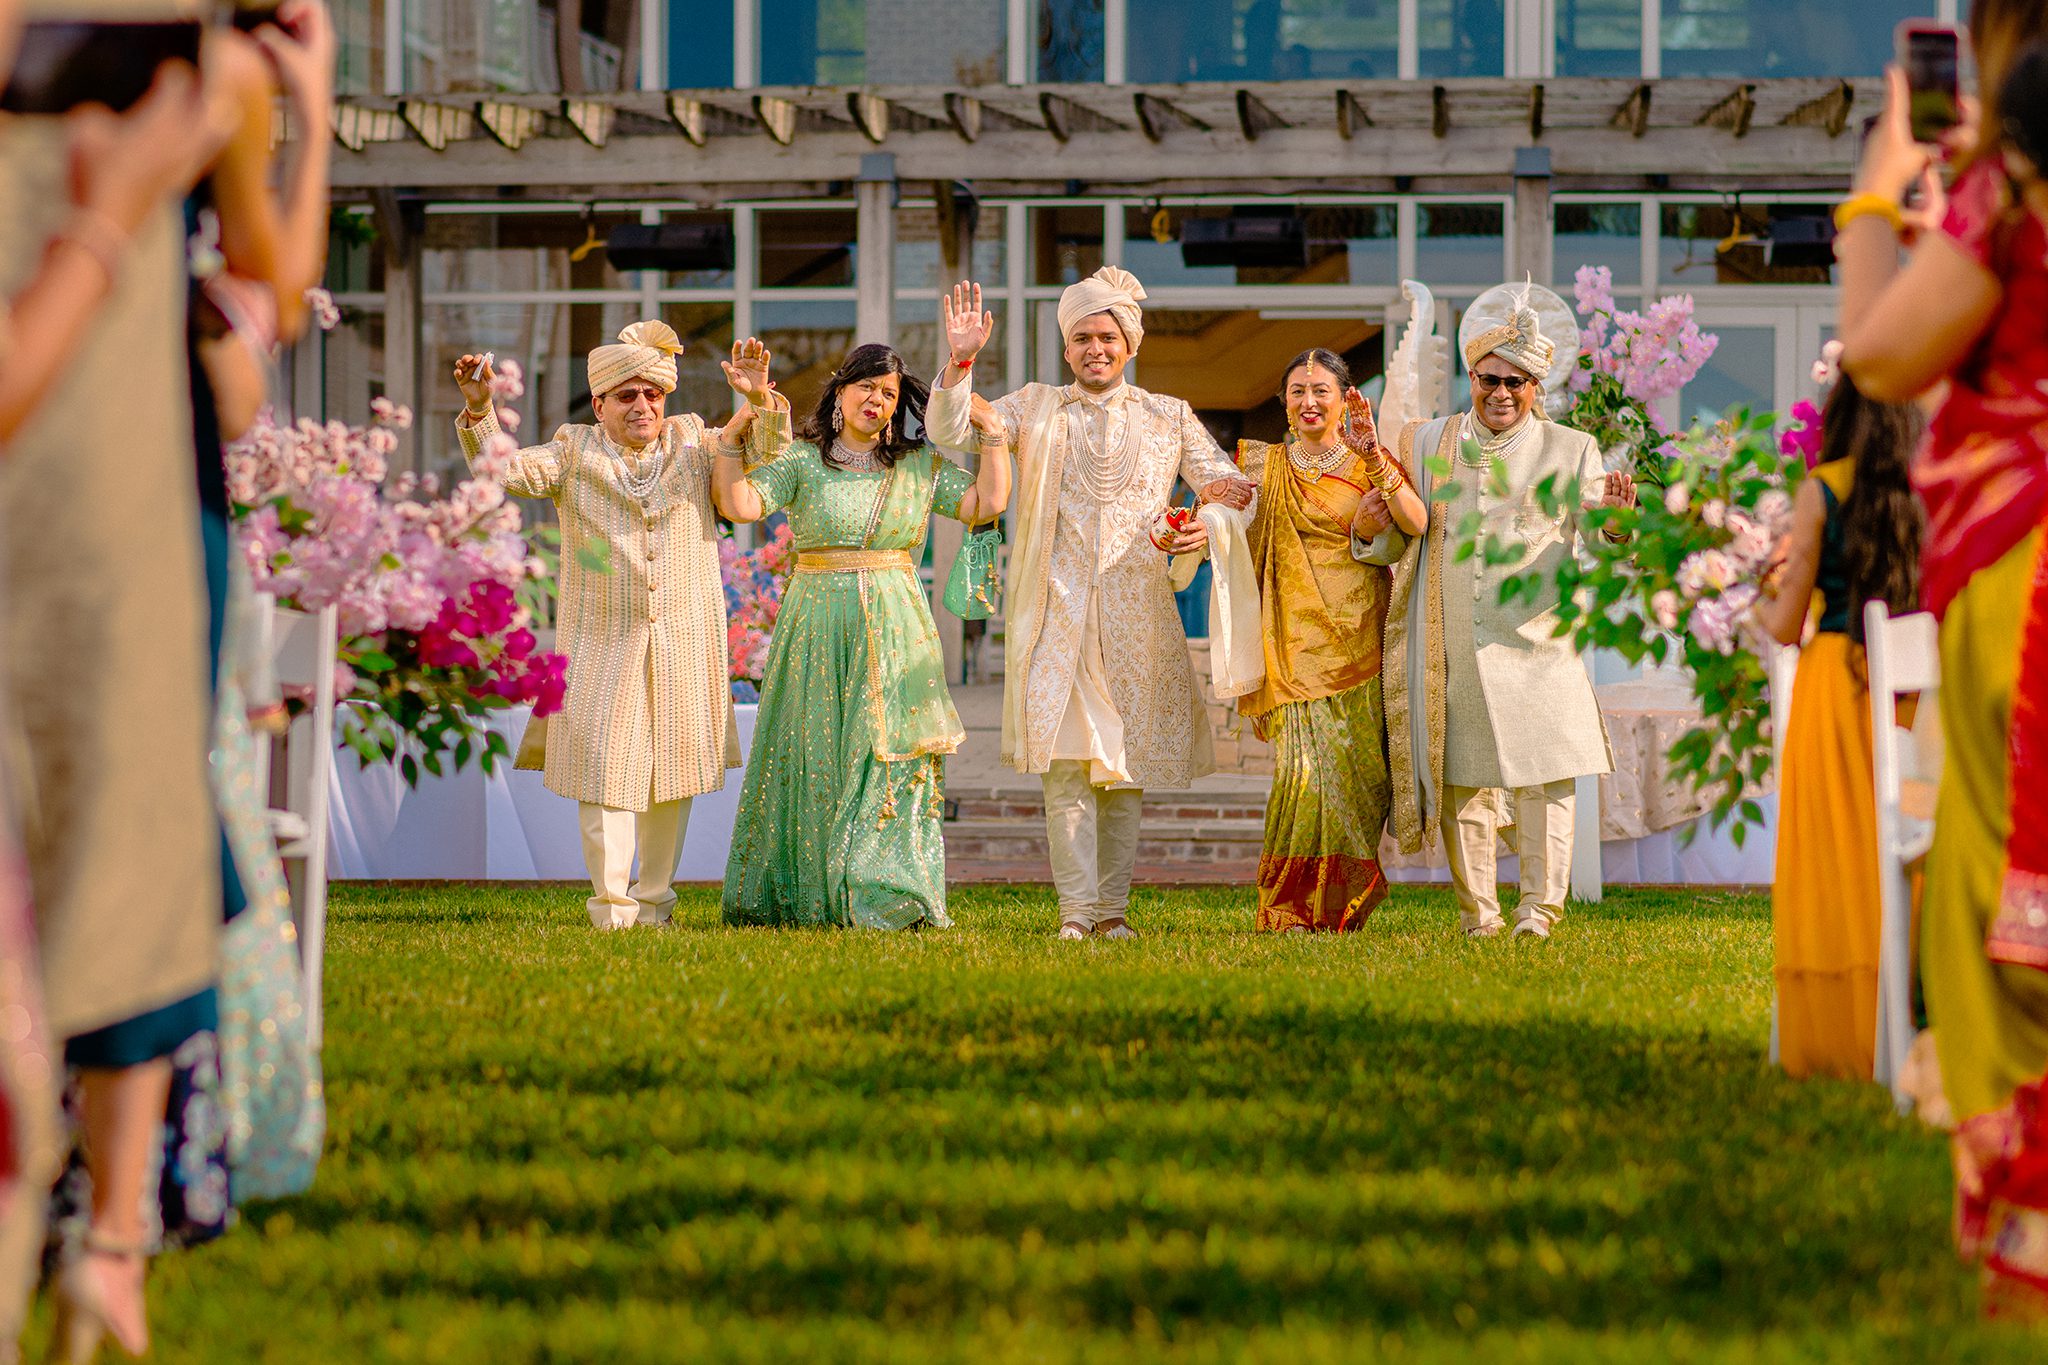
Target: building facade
pixel 858 155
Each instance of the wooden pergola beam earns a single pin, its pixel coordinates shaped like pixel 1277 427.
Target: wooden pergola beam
pixel 1536 112
pixel 1634 113
pixel 1351 115
pixel 435 124
pixel 689 117
pixel 1830 112
pixel 1734 112
pixel 593 119
pixel 964 112
pixel 777 116
pixel 870 114
pixel 510 124
pixel 1156 115
pixel 1255 116
pixel 1439 111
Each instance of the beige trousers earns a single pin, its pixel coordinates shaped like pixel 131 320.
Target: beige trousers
pixel 1542 818
pixel 609 838
pixel 1092 833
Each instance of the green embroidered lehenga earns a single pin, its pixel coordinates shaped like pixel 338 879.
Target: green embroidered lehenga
pixel 840 814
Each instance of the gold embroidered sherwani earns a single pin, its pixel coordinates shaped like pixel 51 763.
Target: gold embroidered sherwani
pixel 1087 584
pixel 648 715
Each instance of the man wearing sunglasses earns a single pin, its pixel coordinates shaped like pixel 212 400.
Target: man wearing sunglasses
pixel 1490 715
pixel 647 720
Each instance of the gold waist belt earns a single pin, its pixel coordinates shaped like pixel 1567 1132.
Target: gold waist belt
pixel 850 561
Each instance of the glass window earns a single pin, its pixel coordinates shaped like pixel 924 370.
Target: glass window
pixel 1599 37
pixel 503 252
pixel 1742 373
pixel 1066 243
pixel 1751 38
pixel 706 330
pixel 920 258
pixel 1345 244
pixel 1263 40
pixel 808 341
pixel 1598 234
pixel 1461 243
pixel 359 47
pixel 917 337
pixel 1069 40
pixel 1461 37
pixel 454 45
pixel 883 42
pixel 710 277
pixel 355 254
pixel 1727 244
pixel 551 340
pixel 699 44
pixel 352 370
pixel 805 248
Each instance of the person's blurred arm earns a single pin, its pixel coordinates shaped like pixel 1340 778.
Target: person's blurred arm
pixel 122 169
pixel 1783 611
pixel 301 48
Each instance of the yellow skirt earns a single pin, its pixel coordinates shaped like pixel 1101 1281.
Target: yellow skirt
pixel 1824 904
pixel 1990 1019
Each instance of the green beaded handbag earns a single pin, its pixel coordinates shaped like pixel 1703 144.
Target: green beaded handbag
pixel 974 589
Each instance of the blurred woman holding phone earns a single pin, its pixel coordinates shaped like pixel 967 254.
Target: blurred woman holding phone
pixel 102 622
pixel 1963 316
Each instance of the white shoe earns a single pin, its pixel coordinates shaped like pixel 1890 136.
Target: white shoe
pixel 1073 931
pixel 1117 930
pixel 1532 928
pixel 1488 930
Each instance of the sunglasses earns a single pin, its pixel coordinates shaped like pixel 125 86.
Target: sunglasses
pixel 631 396
pixel 1511 382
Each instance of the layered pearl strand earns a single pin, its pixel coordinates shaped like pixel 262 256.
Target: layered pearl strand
pixel 1491 447
pixel 1107 482
pixel 640 477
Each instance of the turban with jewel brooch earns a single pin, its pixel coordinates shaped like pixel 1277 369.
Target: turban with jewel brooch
pixel 1526 325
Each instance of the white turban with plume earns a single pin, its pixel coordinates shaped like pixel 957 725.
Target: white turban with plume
pixel 1109 290
pixel 645 350
pixel 1517 339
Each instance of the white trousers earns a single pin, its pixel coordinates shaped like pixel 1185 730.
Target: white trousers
pixel 1542 817
pixel 1093 837
pixel 609 838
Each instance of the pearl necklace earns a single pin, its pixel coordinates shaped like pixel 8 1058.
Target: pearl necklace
pixel 640 481
pixel 1492 447
pixel 1313 467
pixel 854 461
pixel 1106 482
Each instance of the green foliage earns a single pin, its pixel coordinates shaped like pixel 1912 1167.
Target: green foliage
pixel 984 1146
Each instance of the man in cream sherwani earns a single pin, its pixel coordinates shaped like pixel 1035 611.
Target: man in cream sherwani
pixel 647 721
pixel 1490 714
pixel 1099 697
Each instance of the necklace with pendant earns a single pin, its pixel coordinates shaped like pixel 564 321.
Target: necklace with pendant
pixel 1313 467
pixel 1106 482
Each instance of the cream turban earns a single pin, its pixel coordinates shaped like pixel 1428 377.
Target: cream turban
pixel 645 350
pixel 1109 290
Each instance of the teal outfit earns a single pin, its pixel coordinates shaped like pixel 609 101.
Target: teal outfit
pixel 840 817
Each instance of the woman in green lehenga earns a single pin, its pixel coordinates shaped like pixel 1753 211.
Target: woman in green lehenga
pixel 839 818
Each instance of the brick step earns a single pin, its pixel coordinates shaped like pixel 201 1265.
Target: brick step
pixel 1168 842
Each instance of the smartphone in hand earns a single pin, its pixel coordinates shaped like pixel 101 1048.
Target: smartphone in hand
pixel 1931 56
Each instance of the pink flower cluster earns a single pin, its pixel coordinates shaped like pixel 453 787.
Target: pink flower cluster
pixel 1718 587
pixel 1652 354
pixel 1803 440
pixel 321 529
pixel 754 583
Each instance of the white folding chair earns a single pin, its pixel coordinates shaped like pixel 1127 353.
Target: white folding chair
pixel 1783 666
pixel 1903 654
pixel 304 648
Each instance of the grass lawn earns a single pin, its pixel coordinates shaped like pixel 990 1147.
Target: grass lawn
pixel 983 1145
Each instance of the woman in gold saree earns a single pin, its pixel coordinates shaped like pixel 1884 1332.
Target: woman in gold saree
pixel 1321 611
pixel 839 818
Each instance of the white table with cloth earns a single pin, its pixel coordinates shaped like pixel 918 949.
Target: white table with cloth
pixel 1645 809
pixel 474 826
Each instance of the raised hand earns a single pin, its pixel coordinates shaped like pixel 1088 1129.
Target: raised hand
pixel 747 371
pixel 473 376
pixel 301 46
pixel 1619 491
pixel 1358 432
pixel 968 328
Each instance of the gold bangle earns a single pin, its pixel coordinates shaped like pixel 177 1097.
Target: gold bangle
pixel 1868 204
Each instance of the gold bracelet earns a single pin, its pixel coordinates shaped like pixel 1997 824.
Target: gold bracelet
pixel 1868 204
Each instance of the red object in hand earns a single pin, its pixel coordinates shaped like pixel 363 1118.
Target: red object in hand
pixel 1180 519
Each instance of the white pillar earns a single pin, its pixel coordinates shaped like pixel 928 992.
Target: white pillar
pixel 875 231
